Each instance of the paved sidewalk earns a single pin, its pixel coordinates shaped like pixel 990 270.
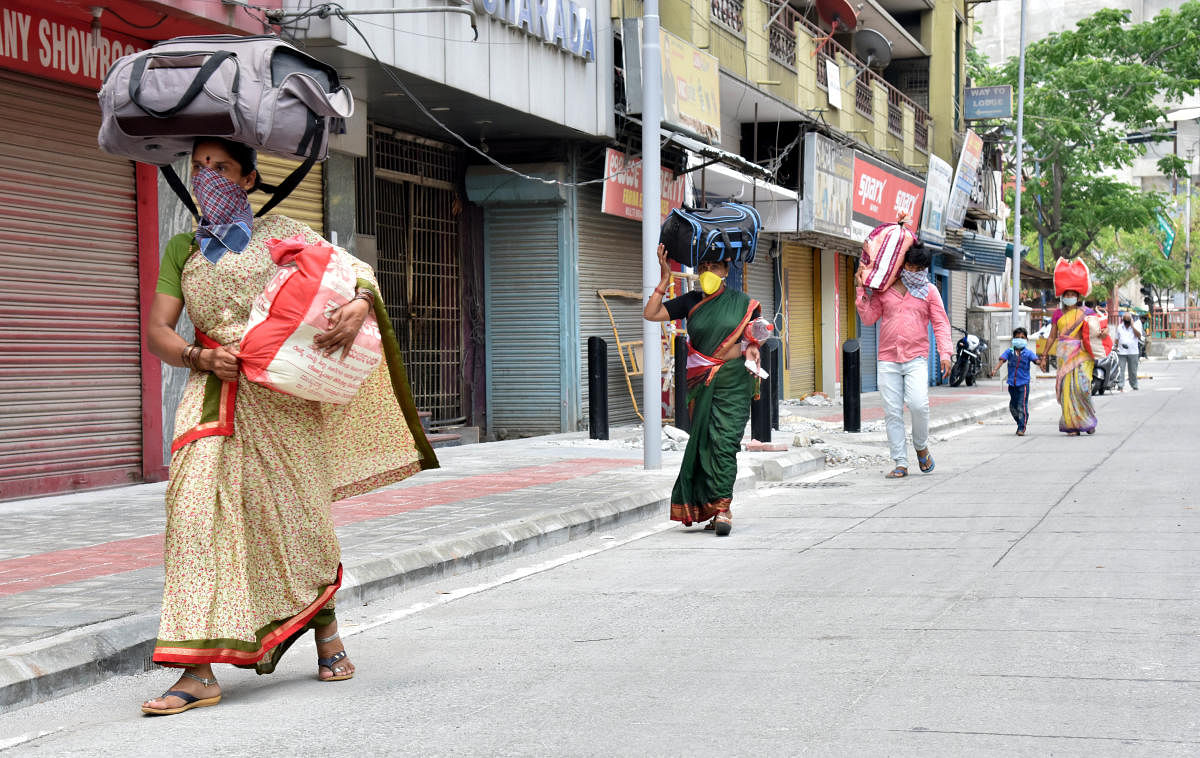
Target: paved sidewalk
pixel 81 574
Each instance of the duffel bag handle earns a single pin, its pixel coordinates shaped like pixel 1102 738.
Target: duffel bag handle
pixel 202 76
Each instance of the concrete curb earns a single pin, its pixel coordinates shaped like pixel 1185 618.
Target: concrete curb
pixel 52 667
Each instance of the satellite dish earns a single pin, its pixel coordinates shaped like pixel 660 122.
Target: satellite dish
pixel 873 48
pixel 837 13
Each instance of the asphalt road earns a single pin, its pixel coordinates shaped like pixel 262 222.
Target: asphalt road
pixel 1032 596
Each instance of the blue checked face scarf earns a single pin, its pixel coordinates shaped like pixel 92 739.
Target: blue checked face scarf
pixel 917 282
pixel 227 220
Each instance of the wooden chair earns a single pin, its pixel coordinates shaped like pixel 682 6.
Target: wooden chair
pixel 632 352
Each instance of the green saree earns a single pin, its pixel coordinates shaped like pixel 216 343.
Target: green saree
pixel 719 395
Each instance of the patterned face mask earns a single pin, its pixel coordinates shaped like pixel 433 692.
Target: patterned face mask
pixel 227 217
pixel 917 282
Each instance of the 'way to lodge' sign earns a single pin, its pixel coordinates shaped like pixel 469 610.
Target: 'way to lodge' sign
pixel 562 23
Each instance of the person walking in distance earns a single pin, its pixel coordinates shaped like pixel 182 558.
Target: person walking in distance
pixel 905 311
pixel 1129 337
pixel 1019 357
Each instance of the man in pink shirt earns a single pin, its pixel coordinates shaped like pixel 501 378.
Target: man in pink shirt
pixel 904 312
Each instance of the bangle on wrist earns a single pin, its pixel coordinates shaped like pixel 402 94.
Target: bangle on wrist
pixel 660 291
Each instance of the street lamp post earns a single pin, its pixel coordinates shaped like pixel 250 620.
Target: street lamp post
pixel 1017 257
pixel 1184 115
pixel 651 220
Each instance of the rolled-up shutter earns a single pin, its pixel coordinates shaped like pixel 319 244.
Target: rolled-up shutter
pixel 524 367
pixel 610 257
pixel 760 280
pixel 305 203
pixel 70 347
pixel 868 341
pixel 801 346
pixel 959 297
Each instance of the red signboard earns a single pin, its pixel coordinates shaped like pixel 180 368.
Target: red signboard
pixel 623 188
pixel 34 42
pixel 880 193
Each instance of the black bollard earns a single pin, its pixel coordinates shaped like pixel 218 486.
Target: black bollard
pixel 597 388
pixel 760 409
pixel 775 366
pixel 682 419
pixel 851 387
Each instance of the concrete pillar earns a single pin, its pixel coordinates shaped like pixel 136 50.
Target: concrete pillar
pixel 830 348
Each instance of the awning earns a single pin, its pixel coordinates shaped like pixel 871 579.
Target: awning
pixel 713 153
pixel 1033 274
pixel 778 206
pixel 985 254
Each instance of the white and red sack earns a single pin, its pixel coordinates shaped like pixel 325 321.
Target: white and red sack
pixel 277 349
pixel 883 254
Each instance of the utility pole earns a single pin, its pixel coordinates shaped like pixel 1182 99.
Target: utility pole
pixel 1017 256
pixel 652 103
pixel 1187 258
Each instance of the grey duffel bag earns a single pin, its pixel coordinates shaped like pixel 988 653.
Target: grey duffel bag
pixel 257 90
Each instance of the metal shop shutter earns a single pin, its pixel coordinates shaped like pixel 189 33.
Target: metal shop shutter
pixel 800 313
pixel 610 257
pixel 524 375
pixel 307 201
pixel 760 279
pixel 70 349
pixel 868 341
pixel 847 313
pixel 959 297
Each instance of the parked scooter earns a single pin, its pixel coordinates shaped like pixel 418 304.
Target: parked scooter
pixel 968 359
pixel 1104 373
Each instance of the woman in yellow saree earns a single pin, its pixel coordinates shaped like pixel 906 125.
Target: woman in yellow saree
pixel 251 558
pixel 719 390
pixel 1073 382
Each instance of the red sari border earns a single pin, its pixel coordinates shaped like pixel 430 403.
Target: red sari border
pixel 222 426
pixel 173 655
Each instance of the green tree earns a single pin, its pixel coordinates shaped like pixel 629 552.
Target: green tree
pixel 1086 90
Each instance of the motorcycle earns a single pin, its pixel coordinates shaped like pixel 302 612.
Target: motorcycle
pixel 1104 373
pixel 968 360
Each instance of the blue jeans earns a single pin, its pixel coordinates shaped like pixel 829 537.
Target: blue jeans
pixel 903 384
pixel 1018 404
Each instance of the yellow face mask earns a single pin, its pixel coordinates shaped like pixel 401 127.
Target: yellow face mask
pixel 710 282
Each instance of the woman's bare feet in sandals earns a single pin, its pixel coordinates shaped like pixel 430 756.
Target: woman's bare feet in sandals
pixel 197 683
pixel 332 663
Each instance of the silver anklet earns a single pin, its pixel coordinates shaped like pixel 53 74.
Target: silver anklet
pixel 202 680
pixel 330 638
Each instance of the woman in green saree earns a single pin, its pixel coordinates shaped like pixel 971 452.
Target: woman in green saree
pixel 720 388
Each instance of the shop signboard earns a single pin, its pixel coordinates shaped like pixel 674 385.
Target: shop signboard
pixel 965 177
pixel 560 23
pixel 828 178
pixel 35 42
pixel 622 194
pixel 691 83
pixel 881 194
pixel 937 194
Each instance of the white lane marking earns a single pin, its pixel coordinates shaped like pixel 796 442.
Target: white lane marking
pixel 1167 389
pixel 21 739
pixel 514 576
pixel 539 568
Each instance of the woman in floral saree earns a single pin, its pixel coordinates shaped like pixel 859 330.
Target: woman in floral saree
pixel 1073 382
pixel 719 390
pixel 251 558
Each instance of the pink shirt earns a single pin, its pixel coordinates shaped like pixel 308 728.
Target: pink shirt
pixel 904 322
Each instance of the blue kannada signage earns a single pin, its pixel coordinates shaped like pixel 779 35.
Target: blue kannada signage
pixel 987 102
pixel 561 23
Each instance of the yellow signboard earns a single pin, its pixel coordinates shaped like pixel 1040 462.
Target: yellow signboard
pixel 691 82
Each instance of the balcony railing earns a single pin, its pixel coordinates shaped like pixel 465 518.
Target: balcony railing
pixel 729 13
pixel 782 28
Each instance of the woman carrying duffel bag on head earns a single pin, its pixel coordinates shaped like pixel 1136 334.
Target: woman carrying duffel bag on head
pixel 251 558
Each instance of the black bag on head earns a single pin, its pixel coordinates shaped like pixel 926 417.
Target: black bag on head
pixel 726 232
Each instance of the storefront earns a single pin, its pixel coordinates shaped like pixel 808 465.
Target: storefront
pixel 801 309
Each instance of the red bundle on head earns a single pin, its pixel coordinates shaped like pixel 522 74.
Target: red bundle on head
pixel 883 253
pixel 1072 275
